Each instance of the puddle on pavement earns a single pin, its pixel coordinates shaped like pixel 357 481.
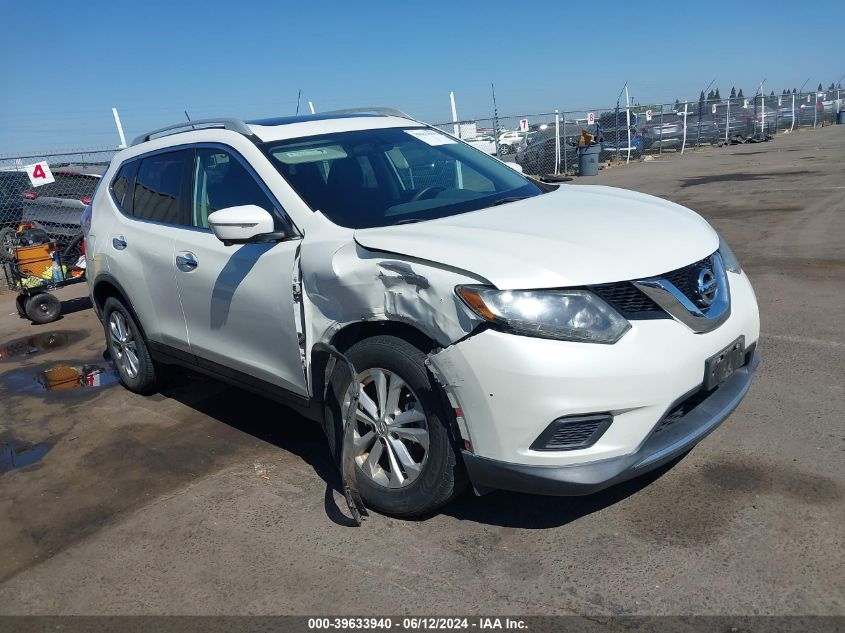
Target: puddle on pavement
pixel 18 455
pixel 72 377
pixel 38 344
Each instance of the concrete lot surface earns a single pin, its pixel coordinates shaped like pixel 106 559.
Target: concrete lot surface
pixel 204 499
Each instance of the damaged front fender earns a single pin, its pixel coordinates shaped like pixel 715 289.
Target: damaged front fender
pixel 346 283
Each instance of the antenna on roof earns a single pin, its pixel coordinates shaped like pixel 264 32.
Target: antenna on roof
pixel 298 96
pixel 311 105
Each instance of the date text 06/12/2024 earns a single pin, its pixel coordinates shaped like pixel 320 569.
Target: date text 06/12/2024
pixel 416 623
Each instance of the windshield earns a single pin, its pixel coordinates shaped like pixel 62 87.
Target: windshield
pixel 386 176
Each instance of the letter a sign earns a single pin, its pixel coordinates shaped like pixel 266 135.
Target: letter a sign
pixel 39 174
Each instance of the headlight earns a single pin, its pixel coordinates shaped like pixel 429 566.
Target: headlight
pixel 568 315
pixel 728 258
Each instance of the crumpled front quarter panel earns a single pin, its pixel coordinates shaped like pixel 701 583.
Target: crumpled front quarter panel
pixel 344 283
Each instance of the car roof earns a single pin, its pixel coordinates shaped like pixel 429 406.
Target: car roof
pixel 278 128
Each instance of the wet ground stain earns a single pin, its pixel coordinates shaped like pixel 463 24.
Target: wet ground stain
pixel 741 177
pixel 715 494
pixel 15 455
pixel 69 378
pixel 40 343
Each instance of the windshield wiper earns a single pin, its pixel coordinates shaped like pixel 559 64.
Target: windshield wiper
pixel 510 199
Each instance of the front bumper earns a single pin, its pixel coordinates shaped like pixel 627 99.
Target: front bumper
pixel 507 389
pixel 658 449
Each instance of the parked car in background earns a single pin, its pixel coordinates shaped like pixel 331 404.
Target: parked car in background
pixel 484 142
pixel 703 131
pixel 510 141
pixel 57 207
pixel 616 133
pixel 664 131
pixel 13 184
pixel 537 155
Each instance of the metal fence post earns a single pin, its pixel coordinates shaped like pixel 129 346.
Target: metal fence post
pixel 660 146
pixel 627 122
pixel 816 110
pixel 684 143
pixel 565 166
pixel 792 125
pixel 557 142
pixel 727 120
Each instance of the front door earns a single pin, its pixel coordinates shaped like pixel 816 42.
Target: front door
pixel 237 300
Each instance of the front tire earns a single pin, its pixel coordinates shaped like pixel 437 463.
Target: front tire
pixel 128 348
pixel 405 446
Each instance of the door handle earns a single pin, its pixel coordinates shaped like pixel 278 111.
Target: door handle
pixel 187 262
pixel 118 242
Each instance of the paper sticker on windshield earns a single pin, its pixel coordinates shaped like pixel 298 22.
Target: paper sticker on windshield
pixel 310 154
pixel 430 137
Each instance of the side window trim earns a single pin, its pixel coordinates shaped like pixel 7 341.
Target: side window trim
pixel 126 206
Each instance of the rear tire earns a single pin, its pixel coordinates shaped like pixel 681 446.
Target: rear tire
pixel 7 243
pixel 128 348
pixel 43 308
pixel 20 304
pixel 441 475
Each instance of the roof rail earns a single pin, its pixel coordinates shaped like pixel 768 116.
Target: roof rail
pixel 376 110
pixel 235 125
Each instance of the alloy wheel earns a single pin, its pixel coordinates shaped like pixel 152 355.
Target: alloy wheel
pixel 124 345
pixel 391 429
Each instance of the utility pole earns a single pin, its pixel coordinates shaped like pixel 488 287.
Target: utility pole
pixel 495 120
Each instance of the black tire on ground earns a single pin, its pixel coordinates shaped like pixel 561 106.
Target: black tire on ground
pixel 145 381
pixel 73 250
pixel 20 304
pixel 44 307
pixel 443 474
pixel 7 241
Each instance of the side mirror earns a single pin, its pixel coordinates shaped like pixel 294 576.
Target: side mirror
pixel 240 225
pixel 515 167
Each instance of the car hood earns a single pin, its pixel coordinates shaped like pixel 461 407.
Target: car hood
pixel 574 236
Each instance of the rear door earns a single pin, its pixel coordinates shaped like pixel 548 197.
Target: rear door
pixel 151 197
pixel 237 300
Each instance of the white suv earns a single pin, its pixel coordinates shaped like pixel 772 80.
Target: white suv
pixel 506 333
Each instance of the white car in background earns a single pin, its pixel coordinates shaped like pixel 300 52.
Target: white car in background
pixel 509 141
pixel 503 332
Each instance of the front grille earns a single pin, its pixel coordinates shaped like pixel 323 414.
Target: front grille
pixel 632 303
pixel 684 279
pixel 572 433
pixel 629 301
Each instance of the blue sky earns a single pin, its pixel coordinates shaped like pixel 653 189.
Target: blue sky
pixel 72 61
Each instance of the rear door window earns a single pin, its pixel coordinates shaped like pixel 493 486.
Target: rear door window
pixel 120 184
pixel 158 188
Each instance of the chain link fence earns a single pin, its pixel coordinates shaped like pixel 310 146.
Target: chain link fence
pixel 546 144
pixel 42 197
